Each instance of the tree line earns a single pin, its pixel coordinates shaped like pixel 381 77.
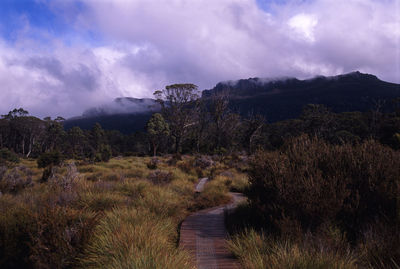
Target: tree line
pixel 190 124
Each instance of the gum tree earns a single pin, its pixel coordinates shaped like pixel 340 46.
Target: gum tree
pixel 179 107
pixel 157 130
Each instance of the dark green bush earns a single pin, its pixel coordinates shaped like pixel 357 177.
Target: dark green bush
pixel 49 158
pixel 160 177
pixel 104 154
pixel 16 225
pixel 8 156
pixel 311 184
pixel 152 164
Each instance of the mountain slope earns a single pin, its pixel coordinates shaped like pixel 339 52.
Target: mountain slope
pixel 124 114
pixel 277 99
pixel 284 99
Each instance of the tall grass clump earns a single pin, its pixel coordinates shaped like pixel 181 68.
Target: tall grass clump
pixel 131 238
pixel 257 251
pixel 311 187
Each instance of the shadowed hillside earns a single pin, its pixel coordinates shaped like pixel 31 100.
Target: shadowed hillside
pixel 278 99
pixel 284 99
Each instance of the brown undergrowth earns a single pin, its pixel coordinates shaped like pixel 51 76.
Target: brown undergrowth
pixel 315 205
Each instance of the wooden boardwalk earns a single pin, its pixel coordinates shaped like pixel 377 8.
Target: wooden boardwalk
pixel 203 234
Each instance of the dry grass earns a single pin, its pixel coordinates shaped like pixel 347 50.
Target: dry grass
pixel 132 238
pixel 216 192
pixel 107 215
pixel 256 251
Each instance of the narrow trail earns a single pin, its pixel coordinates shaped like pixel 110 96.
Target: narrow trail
pixel 203 234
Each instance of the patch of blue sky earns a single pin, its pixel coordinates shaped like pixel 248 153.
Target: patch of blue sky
pixel 267 4
pixel 271 5
pixel 39 20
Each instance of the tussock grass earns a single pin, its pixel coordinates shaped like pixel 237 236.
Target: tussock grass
pixel 127 238
pixel 100 201
pixel 216 192
pixel 104 215
pixel 255 250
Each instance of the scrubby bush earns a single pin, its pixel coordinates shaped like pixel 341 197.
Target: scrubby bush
pixel 8 156
pixel 311 184
pixel 152 164
pixel 174 159
pixel 16 225
pixel 59 237
pixel 16 179
pixel 187 166
pixel 203 162
pixel 47 161
pixel 160 177
pixel 66 182
pixel 104 154
pixel 3 170
pixel 49 158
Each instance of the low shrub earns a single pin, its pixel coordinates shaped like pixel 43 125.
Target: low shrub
pixel 60 236
pixel 16 179
pixel 49 158
pixel 152 164
pixel 104 153
pixel 160 177
pixel 16 225
pixel 187 166
pixel 66 182
pixel 174 159
pixel 8 156
pixel 310 184
pixel 203 162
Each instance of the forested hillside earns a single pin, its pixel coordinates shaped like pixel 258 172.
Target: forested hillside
pixel 274 99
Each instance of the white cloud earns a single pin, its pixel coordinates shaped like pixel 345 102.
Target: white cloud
pixel 148 44
pixel 304 24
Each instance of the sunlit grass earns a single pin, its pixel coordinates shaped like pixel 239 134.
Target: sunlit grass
pixel 118 214
pixel 256 251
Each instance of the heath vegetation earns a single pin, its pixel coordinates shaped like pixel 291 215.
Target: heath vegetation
pixel 323 189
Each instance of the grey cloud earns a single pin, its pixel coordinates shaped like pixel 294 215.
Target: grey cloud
pixel 150 44
pixel 79 78
pixel 51 65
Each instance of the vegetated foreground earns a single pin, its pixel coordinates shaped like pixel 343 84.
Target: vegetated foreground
pixel 120 214
pixel 323 189
pixel 316 205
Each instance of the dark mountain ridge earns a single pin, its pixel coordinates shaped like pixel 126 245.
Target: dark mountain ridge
pixel 276 99
pixel 284 99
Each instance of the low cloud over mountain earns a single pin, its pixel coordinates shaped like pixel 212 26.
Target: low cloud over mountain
pixel 62 57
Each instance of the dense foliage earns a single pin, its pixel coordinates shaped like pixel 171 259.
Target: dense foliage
pixel 330 199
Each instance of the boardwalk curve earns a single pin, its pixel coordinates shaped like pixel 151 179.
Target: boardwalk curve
pixel 203 234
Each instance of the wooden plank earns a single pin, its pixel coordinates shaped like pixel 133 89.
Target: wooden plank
pixel 203 235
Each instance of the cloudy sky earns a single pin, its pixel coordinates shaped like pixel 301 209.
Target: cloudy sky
pixel 60 57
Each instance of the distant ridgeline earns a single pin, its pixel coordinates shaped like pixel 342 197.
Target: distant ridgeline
pixel 276 99
pixel 126 115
